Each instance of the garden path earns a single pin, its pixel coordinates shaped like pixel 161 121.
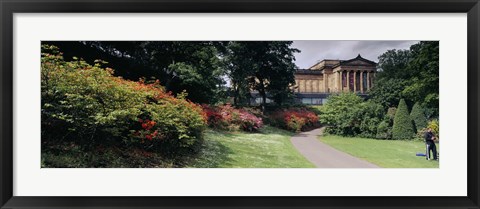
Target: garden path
pixel 324 156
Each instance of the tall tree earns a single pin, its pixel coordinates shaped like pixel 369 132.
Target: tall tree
pixel 410 74
pixel 423 85
pixel 264 66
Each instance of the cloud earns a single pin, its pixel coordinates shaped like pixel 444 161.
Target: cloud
pixel 314 51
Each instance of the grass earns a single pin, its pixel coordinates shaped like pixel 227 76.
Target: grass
pixel 384 153
pixel 271 148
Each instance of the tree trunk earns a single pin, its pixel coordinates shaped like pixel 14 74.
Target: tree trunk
pixel 235 95
pixel 263 94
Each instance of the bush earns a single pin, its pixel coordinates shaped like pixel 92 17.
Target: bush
pixel 348 115
pixel 402 124
pixel 229 118
pixel 293 119
pixel 418 117
pixel 295 123
pixel 370 115
pixel 391 114
pixel 384 130
pixel 89 105
pixel 434 125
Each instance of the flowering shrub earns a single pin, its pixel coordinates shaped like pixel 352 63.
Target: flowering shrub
pixel 227 117
pixel 295 123
pixel 294 119
pixel 89 104
pixel 434 125
pixel 248 121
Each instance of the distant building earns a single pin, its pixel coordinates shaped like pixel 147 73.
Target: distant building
pixel 315 84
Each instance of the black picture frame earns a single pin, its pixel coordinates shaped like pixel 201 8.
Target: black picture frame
pixel 9 7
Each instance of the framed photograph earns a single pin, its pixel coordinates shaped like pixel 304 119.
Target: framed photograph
pixel 239 104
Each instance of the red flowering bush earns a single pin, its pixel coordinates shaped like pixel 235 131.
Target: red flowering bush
pixel 227 117
pixel 89 104
pixel 294 119
pixel 213 116
pixel 248 121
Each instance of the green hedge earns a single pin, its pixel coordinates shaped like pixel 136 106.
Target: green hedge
pixel 418 117
pixel 347 114
pixel 402 123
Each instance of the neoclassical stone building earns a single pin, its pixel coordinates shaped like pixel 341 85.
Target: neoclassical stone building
pixel 315 84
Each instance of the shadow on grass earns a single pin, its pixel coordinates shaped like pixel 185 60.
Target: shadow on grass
pixel 213 154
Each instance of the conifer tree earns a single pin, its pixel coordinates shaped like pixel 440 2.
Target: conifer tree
pixel 418 117
pixel 402 123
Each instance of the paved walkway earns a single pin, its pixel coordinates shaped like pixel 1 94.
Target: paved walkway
pixel 324 156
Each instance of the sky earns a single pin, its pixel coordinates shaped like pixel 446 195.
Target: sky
pixel 315 51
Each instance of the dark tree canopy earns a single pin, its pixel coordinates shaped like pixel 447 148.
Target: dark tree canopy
pixel 193 66
pixel 410 74
pixel 264 66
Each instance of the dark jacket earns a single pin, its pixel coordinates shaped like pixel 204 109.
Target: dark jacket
pixel 429 137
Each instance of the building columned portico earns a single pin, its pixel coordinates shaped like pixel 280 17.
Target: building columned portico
pixel 315 84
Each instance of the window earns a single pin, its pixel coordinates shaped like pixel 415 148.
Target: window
pixel 307 100
pixel 317 101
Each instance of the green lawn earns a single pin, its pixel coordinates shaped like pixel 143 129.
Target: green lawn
pixel 271 148
pixel 384 153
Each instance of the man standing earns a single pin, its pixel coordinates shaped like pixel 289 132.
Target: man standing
pixel 430 143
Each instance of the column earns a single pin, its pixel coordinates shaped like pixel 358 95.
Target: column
pixel 355 81
pixel 368 80
pixel 361 81
pixel 348 81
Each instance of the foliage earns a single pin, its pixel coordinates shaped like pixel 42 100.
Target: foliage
pixel 370 114
pixel 293 119
pixel 384 130
pixel 418 116
pixel 264 66
pixel 230 118
pixel 423 82
pixel 391 113
pixel 410 74
pixel 194 66
pixel 402 124
pixel 295 123
pixel 73 156
pixel 391 62
pixel 348 115
pixel 88 105
pixel 434 125
pixel 387 92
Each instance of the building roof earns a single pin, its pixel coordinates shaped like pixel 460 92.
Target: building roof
pixel 358 58
pixel 327 62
